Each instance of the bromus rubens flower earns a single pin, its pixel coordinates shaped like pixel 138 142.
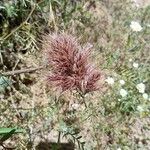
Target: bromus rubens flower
pixel 71 69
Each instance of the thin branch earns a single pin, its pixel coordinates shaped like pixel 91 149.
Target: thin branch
pixel 59 135
pixel 31 12
pixel 15 72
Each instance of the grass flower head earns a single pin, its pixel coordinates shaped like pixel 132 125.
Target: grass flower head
pixel 70 64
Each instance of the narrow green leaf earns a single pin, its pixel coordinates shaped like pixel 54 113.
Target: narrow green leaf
pixel 7 130
pixel 79 137
pixel 8 135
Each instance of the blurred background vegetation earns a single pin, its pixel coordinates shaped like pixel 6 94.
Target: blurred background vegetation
pixel 110 121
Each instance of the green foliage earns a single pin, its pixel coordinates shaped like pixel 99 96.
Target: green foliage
pixel 4 83
pixel 7 133
pixel 73 135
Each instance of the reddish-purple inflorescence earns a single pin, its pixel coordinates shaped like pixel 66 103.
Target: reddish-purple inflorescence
pixel 70 66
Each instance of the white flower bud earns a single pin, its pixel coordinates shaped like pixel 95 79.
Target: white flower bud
pixel 110 80
pixel 122 82
pixel 135 26
pixel 141 87
pixel 123 92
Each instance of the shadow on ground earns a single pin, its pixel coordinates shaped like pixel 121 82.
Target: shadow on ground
pixel 54 146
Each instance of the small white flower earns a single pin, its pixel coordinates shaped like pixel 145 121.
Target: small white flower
pixel 1 96
pixel 75 106
pixel 123 92
pixel 122 82
pixel 119 100
pixel 135 26
pixel 141 87
pixel 130 60
pixel 140 108
pixel 136 2
pixel 110 80
pixel 135 65
pixel 119 148
pixel 145 96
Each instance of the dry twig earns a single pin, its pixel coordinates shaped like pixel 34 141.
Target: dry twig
pixel 15 72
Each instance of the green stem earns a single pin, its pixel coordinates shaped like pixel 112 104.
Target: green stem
pixel 59 134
